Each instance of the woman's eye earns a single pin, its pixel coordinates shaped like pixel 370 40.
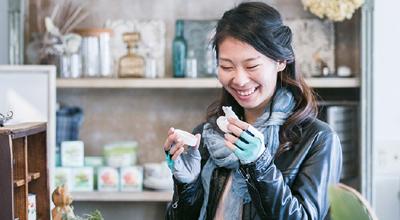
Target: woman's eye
pixel 252 67
pixel 225 67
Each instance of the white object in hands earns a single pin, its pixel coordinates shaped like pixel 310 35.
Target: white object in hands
pixel 222 121
pixel 187 137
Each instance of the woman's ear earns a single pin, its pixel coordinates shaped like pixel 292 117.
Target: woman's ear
pixel 281 65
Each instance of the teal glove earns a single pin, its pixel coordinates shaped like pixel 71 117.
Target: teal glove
pixel 169 160
pixel 250 145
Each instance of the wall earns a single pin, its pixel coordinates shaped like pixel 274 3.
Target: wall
pixel 144 115
pixel 4 31
pixel 386 105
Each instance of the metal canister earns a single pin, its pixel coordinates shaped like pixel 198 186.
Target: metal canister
pixel 95 52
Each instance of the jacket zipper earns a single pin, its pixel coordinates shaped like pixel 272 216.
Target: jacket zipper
pixel 175 204
pixel 245 174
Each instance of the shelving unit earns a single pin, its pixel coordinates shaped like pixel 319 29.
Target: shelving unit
pixel 171 83
pixel 145 196
pixel 23 162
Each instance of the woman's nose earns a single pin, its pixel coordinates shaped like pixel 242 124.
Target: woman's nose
pixel 240 77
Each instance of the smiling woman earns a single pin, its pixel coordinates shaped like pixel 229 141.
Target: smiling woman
pixel 275 160
pixel 248 75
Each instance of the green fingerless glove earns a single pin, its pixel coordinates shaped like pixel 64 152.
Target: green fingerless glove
pixel 250 145
pixel 170 162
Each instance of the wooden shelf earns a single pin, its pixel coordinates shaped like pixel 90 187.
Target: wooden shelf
pixel 333 82
pixel 164 83
pixel 144 196
pixel 31 176
pixel 18 183
pixel 171 83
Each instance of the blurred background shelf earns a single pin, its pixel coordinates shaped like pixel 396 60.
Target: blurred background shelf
pixel 144 196
pixel 171 83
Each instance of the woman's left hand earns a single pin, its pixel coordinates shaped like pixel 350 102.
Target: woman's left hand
pixel 245 141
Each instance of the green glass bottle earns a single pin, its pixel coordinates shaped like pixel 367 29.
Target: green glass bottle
pixel 179 51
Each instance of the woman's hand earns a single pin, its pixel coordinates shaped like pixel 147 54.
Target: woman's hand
pixel 185 166
pixel 245 141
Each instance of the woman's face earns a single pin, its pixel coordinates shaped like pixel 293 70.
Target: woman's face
pixel 248 75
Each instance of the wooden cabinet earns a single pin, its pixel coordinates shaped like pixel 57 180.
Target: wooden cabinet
pixel 23 170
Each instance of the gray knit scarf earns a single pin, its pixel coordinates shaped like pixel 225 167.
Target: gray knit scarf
pixel 221 156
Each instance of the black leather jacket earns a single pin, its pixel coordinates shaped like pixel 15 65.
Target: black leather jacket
pixel 292 186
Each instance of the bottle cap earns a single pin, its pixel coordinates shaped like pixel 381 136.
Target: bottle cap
pixel 187 137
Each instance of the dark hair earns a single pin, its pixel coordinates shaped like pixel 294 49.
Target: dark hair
pixel 261 26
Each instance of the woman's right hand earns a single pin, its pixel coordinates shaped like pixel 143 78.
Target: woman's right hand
pixel 185 166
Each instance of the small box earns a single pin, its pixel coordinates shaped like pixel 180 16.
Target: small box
pixel 63 175
pixel 94 162
pixel 72 154
pixel 82 179
pixel 107 179
pixel 31 206
pixel 120 153
pixel 131 178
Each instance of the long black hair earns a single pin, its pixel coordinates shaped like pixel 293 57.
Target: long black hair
pixel 261 26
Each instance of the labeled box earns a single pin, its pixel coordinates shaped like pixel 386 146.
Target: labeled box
pixel 63 175
pixel 131 179
pixel 82 179
pixel 107 179
pixel 120 153
pixel 94 162
pixel 32 206
pixel 72 154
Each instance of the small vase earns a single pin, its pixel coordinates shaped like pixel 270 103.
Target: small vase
pixel 34 49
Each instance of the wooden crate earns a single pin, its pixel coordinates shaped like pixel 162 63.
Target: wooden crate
pixel 23 170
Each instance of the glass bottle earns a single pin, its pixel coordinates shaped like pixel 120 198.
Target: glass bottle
pixel 191 65
pixel 132 64
pixel 151 66
pixel 179 51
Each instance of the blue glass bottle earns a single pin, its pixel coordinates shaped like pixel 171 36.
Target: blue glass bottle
pixel 179 51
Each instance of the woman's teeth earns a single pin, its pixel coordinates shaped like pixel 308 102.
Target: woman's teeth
pixel 248 92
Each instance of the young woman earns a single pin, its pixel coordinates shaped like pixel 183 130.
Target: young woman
pixel 277 160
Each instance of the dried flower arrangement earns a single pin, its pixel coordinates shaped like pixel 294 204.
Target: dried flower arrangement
pixel 63 19
pixel 335 10
pixel 66 16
